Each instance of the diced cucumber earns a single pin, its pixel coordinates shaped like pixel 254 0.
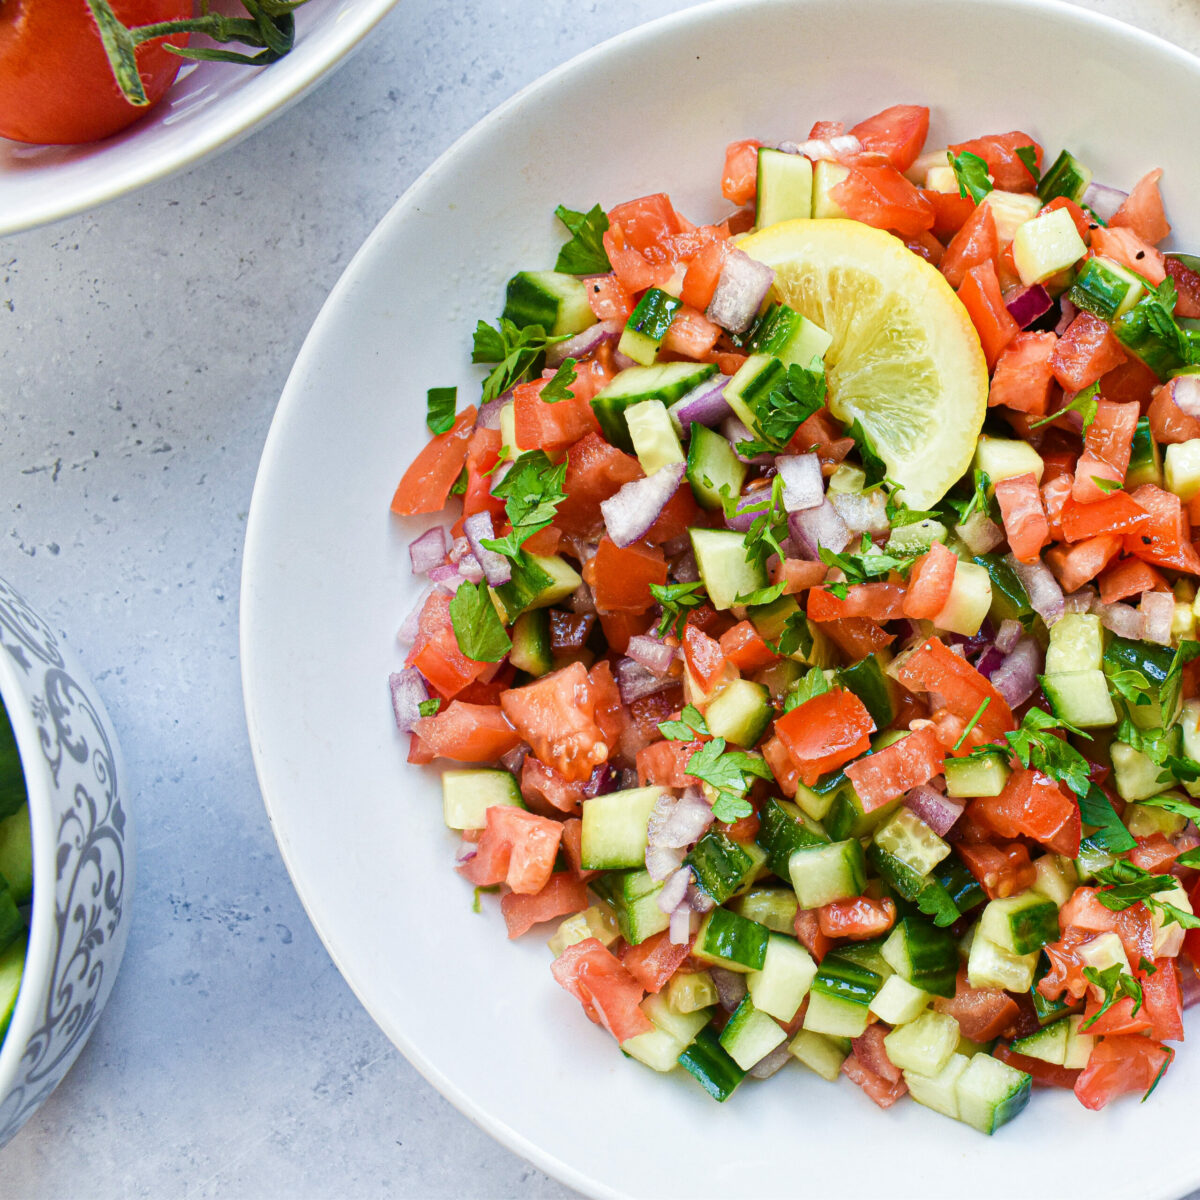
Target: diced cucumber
pixel 615 828
pixel 969 601
pixel 907 838
pixel 821 874
pixel 531 649
pixel 840 996
pixel 654 439
pixel 785 187
pixel 845 817
pixel 1048 1044
pixel 1010 210
pixel 867 954
pixel 647 325
pixel 468 794
pixel 673 1032
pixel 788 335
pixel 1145 458
pixel 954 877
pixel 775 908
pixel 779 987
pixel 826 176
pixel 635 900
pixel 1080 698
pixel 721 562
pixel 1057 878
pixel 814 804
pixel 966 777
pixel 750 1035
pixel 709 1063
pixel 916 538
pixel 538 581
pixel 1005 458
pixel 16 854
pixel 722 866
pixel 1182 469
pixel 756 379
pixel 989 966
pixel 691 991
pixel 820 1053
pixel 712 467
pixel 1124 654
pixel 1020 924
pixel 1143 820
pixel 867 681
pixel 1076 644
pixel 923 954
pixel 551 299
pixel 740 712
pixel 939 1093
pixel 599 922
pixel 924 1045
pixel 1010 600
pixel 782 829
pixel 1079 1044
pixel 1066 176
pixel 665 381
pixel 12 967
pixel 1105 289
pixel 990 1093
pixel 1168 937
pixel 727 940
pixel 769 620
pixel 1136 776
pixel 899 1002
pixel 923 890
pixel 1090 860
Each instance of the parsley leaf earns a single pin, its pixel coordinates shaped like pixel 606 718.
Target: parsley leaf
pixel 477 627
pixel 676 599
pixel 785 408
pixel 584 254
pixel 898 513
pixel 1161 1072
pixel 1158 745
pixel 962 737
pixel 971 171
pixel 796 637
pixel 867 564
pixel 1127 885
pixel 532 491
pixel 440 404
pixel 1084 403
pixel 691 722
pixel 1132 685
pixel 937 903
pixel 873 466
pixel 1110 834
pixel 1107 486
pixel 980 500
pixel 727 772
pixel 1116 983
pixel 1028 155
pixel 1036 746
pixel 459 486
pixel 1189 858
pixel 1173 804
pixel 559 388
pixel 764 595
pixel 516 351
pixel 428 708
pixel 813 684
pixel 1170 690
pixel 769 529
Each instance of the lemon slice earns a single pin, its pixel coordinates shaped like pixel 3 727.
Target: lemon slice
pixel 905 359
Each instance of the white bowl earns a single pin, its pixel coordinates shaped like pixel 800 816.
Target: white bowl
pixel 82 857
pixel 326 583
pixel 210 106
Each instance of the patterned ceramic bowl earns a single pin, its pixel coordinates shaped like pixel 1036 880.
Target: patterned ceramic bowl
pixel 82 857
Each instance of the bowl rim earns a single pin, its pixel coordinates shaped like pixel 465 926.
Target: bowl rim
pixel 271 461
pixel 230 125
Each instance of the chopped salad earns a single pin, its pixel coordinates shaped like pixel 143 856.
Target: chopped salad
pixel 815 645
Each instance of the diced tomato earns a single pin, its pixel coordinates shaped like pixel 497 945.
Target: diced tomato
pixel 1083 224
pixel 646 221
pixel 930 582
pixel 882 197
pixel 553 427
pixel 1023 515
pixel 879 601
pixel 740 179
pixel 435 651
pixel 562 894
pixel 1125 247
pixel 974 243
pixel 1187 284
pixel 980 294
pixel 556 716
pixel 1086 351
pixel 691 334
pixel 677 516
pixel 620 578
pixel 703 656
pixel 982 1013
pixel 619 627
pixel 926 245
pixel 857 919
pixel 467 733
pixel 1083 911
pixel 483 452
pixel 1142 210
pixel 1163 539
pixel 645 716
pixel 782 767
pixel 572 844
pixel 517 848
pixel 1075 565
pixel 856 637
pixel 608 992
pixel 807 926
pixel 898 133
pixel 744 829
pixel 932 667
pixel 426 484
pixel 610 712
pixel 823 733
pixel 1024 379
pixel 1130 383
pixel 1001 870
pixel 1168 422
pixel 546 791
pixel 797 574
pixel 1129 577
pixel 884 1094
pixel 630 266
pixel 1044 1074
pixel 703 272
pixel 655 960
pixel 1116 513
pixel 870 1050
pixel 999 151
pixel 592 374
pixel 595 471
pixel 1118 1065
pixel 905 764
pixel 1154 854
pixel 663 763
pixel 609 299
pixel 1033 805
pixel 1163 1001
pixel 745 648
pixel 950 212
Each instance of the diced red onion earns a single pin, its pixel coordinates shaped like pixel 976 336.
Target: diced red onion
pixel 679 931
pixel 428 551
pixel 569 631
pixel 989 662
pixel 1016 677
pixel 1069 313
pixel 1080 601
pixel 583 344
pixel 741 288
pixel 623 362
pixel 731 987
pixel 1121 619
pixel 626 780
pixel 1185 391
pixel 629 513
pixel 466 852
pixel 447 574
pixel 683 568
pixel 656 656
pixel 1189 983
pixel 674 891
pixel 1103 200
pixel 496 567
pixel 469 568
pixel 817 528
pixel 678 822
pixel 1029 304
pixel 937 811
pixel 489 413
pixel 776 1060
pixel 979 533
pixel 580 600
pixel 634 681
pixel 803 485
pixel 1045 596
pixel 514 759
pixel 1008 635
pixel 1158 611
pixel 602 780
pixel 838 148
pixel 662 861
pixel 699 899
pixel 863 512
pixel 408 690
pixel 750 506
pixel 458 548
pixel 703 405
pixel 735 433
pixel 410 626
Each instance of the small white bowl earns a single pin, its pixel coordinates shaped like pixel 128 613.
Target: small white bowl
pixel 82 857
pixel 210 106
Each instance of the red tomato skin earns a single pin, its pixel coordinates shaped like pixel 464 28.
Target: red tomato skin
pixel 823 733
pixel 1168 422
pixel 1125 247
pixel 1118 1065
pixel 1142 210
pixel 1163 540
pixel 982 1013
pixel 562 895
pixel 745 648
pixel 620 577
pixel 1085 351
pixel 1001 870
pixel 473 733
pixel 1129 577
pixel 898 133
pixel 976 242
pixel 740 179
pixel 879 601
pixel 426 484
pixel 905 764
pixel 1024 379
pixel 56 85
pixel 807 926
pixel 1032 805
pixel 1187 282
pixel 884 1094
pixel 980 294
pixel 703 656
pixel 1116 513
pixel 882 197
pixel 999 151
pixel 1024 517
pixel 857 919
pixel 654 961
pixel 930 582
pixel 599 981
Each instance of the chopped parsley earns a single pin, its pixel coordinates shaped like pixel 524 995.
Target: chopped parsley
pixel 428 708
pixel 979 501
pixel 559 388
pixel 1132 685
pixel 764 595
pixel 962 737
pixel 676 599
pixel 1159 746
pixel 514 351
pixel 691 722
pixel 731 774
pixel 971 171
pixel 584 254
pixel 1029 156
pixel 532 491
pixel 1115 982
pixel 866 565
pixel 785 408
pixel 1084 403
pixel 813 684
pixel 873 466
pixel 768 530
pixel 1127 885
pixel 1110 835
pixel 440 403
pixel 796 637
pixel 1106 485
pixel 1036 746
pixel 477 627
pixel 1171 685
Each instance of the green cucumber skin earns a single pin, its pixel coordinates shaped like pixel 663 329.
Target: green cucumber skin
pixel 779 834
pixel 720 865
pixel 710 1064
